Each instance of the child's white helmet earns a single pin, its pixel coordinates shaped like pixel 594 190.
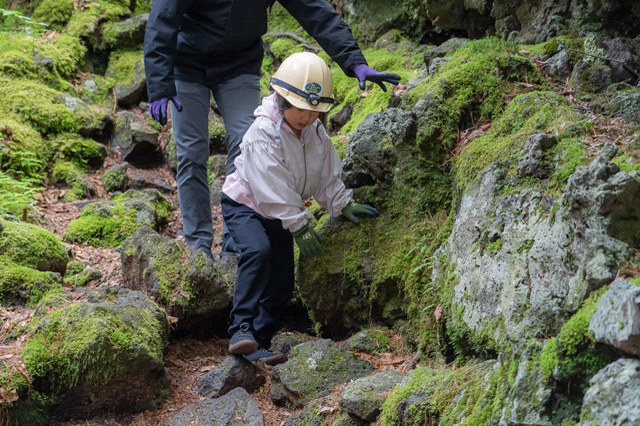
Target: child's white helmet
pixel 305 81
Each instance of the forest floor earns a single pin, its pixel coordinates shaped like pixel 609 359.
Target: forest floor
pixel 188 357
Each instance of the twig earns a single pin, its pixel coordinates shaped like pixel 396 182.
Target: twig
pixel 632 71
pixel 297 38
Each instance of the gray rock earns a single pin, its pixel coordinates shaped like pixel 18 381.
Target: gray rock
pixel 522 264
pixel 558 66
pixel 215 192
pixel 371 341
pixel 590 77
pixel 312 370
pixel 116 335
pixel 437 64
pixel 616 321
pixel 187 284
pixel 125 34
pixel 235 408
pixel 532 155
pixel 370 20
pixel 624 55
pixel 364 397
pixel 285 341
pixel 115 177
pixel 626 104
pixel 440 51
pixel 340 118
pixel 612 398
pixel 137 140
pixel 371 152
pixel 218 165
pixel 93 124
pixel 529 396
pixel 131 91
pixel 233 372
pixel 314 413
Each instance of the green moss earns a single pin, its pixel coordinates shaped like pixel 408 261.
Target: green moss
pixel 122 65
pixel 571 154
pixel 32 246
pixel 494 246
pixel 627 164
pixel 528 113
pixel 283 47
pixel 79 275
pixel 549 359
pixel 88 343
pixel 79 151
pixel 473 394
pixel 574 47
pixel 108 224
pixel 84 22
pixel 280 20
pixel 43 108
pixel 579 358
pixel 22 284
pixel 56 13
pixel 114 178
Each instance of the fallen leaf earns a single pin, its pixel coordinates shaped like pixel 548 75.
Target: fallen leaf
pixel 485 127
pixel 438 313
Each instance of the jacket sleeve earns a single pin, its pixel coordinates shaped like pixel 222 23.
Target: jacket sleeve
pixel 271 183
pixel 322 22
pixel 331 193
pixel 160 41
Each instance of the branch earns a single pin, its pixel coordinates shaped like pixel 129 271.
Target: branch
pixel 297 38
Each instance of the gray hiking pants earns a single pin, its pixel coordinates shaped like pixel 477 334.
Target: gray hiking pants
pixel 237 98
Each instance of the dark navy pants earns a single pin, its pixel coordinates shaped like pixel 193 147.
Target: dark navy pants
pixel 264 283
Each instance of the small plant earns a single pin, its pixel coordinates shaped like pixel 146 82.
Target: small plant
pixel 13 20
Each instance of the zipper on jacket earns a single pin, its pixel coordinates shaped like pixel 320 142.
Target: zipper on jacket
pixel 304 156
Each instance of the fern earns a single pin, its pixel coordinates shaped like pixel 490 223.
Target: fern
pixel 16 195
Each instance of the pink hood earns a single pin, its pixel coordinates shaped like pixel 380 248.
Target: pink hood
pixel 269 109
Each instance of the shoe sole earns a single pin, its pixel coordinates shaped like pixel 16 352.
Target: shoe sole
pixel 243 347
pixel 275 359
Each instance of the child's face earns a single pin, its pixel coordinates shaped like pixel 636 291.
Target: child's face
pixel 298 119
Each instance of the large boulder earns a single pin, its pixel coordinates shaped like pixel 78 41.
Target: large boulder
pixel 616 321
pixel 613 395
pixel 517 262
pixel 312 370
pixel 104 353
pixel 125 34
pixel 235 408
pixel 182 279
pixel 369 20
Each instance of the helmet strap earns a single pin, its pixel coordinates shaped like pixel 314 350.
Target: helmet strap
pixel 312 99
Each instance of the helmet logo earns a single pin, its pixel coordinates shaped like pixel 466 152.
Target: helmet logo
pixel 313 88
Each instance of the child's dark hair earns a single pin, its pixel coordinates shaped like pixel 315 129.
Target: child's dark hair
pixel 284 104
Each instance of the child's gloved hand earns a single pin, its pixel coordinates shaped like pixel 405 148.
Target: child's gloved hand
pixel 353 209
pixel 308 241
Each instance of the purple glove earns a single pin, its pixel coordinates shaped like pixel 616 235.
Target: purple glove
pixel 158 108
pixel 364 72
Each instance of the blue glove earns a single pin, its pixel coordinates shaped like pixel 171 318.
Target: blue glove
pixel 158 109
pixel 363 72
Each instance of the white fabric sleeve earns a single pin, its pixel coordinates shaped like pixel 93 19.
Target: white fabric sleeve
pixel 271 183
pixel 331 193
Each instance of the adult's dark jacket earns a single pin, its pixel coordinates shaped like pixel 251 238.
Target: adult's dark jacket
pixel 209 41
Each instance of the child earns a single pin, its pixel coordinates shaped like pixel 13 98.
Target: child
pixel 286 157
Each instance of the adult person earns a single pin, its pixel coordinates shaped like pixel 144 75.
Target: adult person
pixel 286 157
pixel 195 48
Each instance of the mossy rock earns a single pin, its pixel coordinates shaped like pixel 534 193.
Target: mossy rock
pixel 109 223
pixel 84 23
pixel 363 398
pixel 101 354
pixel 32 246
pixel 312 370
pixel 471 394
pixel 115 178
pixel 183 280
pixel 22 285
pixel 137 140
pixel 79 275
pixel 79 150
pixel 127 69
pixel 126 34
pixel 48 110
pixel 372 341
pixel 56 13
pixel 369 20
pixel 66 173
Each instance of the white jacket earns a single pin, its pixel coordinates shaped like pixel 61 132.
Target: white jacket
pixel 275 175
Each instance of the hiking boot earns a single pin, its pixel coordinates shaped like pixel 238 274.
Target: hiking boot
pixel 265 356
pixel 242 341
